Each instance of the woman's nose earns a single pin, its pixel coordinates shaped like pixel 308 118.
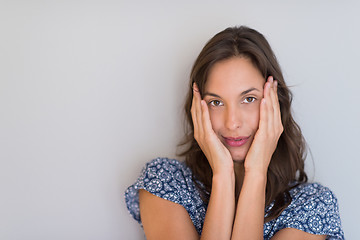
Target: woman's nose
pixel 233 119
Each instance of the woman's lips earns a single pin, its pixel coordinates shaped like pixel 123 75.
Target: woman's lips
pixel 236 142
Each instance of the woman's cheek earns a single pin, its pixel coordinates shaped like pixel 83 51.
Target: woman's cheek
pixel 215 119
pixel 254 112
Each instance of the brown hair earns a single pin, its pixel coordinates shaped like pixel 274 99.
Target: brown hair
pixel 286 169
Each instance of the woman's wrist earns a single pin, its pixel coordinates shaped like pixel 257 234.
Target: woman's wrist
pixel 224 177
pixel 223 170
pixel 257 167
pixel 257 175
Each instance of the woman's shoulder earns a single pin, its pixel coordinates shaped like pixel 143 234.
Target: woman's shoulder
pixel 166 164
pixel 169 179
pixel 313 209
pixel 162 176
pixel 165 170
pixel 310 191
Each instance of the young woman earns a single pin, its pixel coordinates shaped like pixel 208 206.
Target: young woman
pixel 243 175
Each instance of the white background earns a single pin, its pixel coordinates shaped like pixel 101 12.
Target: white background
pixel 91 90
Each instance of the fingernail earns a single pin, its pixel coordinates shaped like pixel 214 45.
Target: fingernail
pixel 276 83
pixel 195 88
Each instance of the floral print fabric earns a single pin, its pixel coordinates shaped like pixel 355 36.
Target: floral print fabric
pixel 314 208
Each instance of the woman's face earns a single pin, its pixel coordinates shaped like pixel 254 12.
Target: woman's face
pixel 233 93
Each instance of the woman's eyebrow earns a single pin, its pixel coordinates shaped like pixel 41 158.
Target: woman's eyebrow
pixel 249 90
pixel 241 94
pixel 211 94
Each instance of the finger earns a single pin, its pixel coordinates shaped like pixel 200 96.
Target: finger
pixel 276 84
pixel 269 103
pixel 277 112
pixel 263 124
pixel 194 113
pixel 267 87
pixel 263 108
pixel 197 111
pixel 273 94
pixel 276 108
pixel 206 118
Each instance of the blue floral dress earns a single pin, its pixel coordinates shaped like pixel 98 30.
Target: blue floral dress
pixel 314 208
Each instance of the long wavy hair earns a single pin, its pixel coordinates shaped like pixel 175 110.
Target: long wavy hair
pixel 286 168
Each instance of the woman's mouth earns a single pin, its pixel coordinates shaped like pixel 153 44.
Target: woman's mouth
pixel 236 142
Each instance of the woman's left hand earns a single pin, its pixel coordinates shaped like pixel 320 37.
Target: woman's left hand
pixel 269 131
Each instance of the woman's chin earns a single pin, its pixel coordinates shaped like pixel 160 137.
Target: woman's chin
pixel 238 154
pixel 239 158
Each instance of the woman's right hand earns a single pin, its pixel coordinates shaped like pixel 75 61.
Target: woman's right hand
pixel 216 153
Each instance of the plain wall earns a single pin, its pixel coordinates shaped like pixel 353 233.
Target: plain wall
pixel 92 90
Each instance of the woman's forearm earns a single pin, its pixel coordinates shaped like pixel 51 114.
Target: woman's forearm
pixel 249 218
pixel 220 212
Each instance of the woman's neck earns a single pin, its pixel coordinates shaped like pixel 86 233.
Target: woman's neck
pixel 239 177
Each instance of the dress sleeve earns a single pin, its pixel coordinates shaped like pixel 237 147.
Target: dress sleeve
pixel 315 210
pixel 165 178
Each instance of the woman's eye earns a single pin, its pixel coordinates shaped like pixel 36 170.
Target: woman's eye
pixel 215 103
pixel 249 100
